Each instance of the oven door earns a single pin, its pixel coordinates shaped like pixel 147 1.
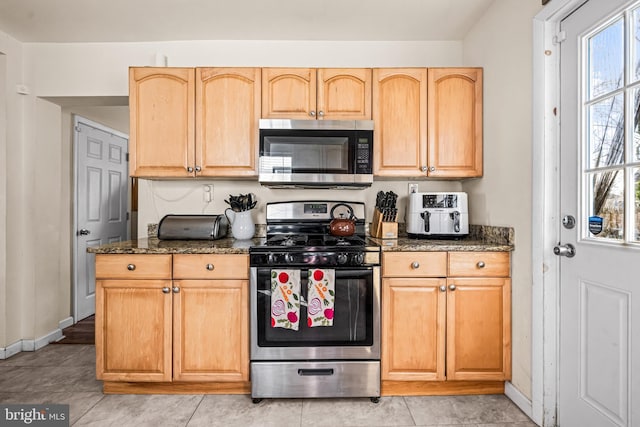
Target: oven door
pixel 355 333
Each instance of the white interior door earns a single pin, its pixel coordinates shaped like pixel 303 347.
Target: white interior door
pixel 101 203
pixel 599 364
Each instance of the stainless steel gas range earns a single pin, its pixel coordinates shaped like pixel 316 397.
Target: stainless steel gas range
pixel 315 305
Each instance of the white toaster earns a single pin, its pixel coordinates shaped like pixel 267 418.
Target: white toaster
pixel 437 215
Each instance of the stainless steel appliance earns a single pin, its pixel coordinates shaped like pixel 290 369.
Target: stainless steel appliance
pixel 342 360
pixel 316 153
pixel 192 227
pixel 437 215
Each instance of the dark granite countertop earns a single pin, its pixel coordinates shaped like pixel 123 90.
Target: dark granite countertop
pixel 433 245
pixel 481 238
pixel 153 245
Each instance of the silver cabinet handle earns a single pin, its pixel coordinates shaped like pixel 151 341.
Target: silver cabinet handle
pixel 84 232
pixel 432 169
pixel 321 113
pixel 452 287
pixel 210 267
pixel 312 113
pixel 176 289
pixel 165 290
pixel 415 264
pixel 190 169
pixel 423 168
pixel 131 267
pixel 443 288
pixel 198 168
pixel 480 264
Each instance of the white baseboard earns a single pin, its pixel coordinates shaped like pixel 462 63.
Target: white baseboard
pixel 518 398
pixel 65 323
pixel 38 343
pixel 11 350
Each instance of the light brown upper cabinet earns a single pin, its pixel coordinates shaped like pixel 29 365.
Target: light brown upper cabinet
pixel 455 122
pixel 161 121
pixel 400 121
pixel 309 93
pixel 428 122
pixel 188 122
pixel 227 116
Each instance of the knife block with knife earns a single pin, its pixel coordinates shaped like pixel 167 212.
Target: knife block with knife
pixel 384 224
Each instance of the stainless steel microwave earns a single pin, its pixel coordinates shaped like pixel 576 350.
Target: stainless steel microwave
pixel 316 153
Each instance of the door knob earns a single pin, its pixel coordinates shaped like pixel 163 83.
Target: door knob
pixel 84 232
pixel 567 250
pixel 568 221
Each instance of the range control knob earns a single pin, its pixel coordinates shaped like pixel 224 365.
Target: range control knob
pixel 357 258
pixel 271 259
pixel 289 258
pixel 342 258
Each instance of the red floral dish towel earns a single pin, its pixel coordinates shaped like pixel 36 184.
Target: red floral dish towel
pixel 285 299
pixel 320 297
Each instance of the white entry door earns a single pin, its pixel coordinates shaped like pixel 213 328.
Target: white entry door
pixel 101 203
pixel 599 365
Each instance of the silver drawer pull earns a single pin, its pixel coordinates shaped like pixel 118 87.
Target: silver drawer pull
pixel 452 287
pixel 443 288
pixel 315 372
pixel 415 264
pixel 210 267
pixel 131 267
pixel 480 264
pixel 165 290
pixel 176 289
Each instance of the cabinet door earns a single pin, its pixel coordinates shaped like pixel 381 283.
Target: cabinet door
pixel 133 330
pixel 479 329
pixel 400 116
pixel 161 110
pixel 211 330
pixel 413 337
pixel 227 116
pixel 455 122
pixel 289 93
pixel 344 94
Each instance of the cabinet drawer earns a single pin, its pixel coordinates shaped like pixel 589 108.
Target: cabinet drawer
pixel 130 266
pixel 487 264
pixel 210 266
pixel 414 264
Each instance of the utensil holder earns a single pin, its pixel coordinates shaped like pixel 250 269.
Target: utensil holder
pixel 382 229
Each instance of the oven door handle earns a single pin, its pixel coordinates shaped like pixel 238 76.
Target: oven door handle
pixel 315 372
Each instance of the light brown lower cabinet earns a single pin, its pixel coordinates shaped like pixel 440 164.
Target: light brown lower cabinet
pixel 444 333
pixel 211 318
pixel 189 327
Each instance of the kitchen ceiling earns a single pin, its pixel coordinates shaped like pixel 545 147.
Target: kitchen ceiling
pixel 162 20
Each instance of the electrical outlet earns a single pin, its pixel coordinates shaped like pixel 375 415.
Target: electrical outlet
pixel 207 193
pixel 413 188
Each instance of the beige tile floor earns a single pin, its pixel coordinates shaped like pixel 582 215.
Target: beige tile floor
pixel 66 374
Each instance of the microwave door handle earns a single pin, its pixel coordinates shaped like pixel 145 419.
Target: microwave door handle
pixel 426 216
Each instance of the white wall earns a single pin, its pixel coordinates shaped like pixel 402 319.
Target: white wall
pixel 158 198
pixel 501 42
pixel 100 69
pixel 13 321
